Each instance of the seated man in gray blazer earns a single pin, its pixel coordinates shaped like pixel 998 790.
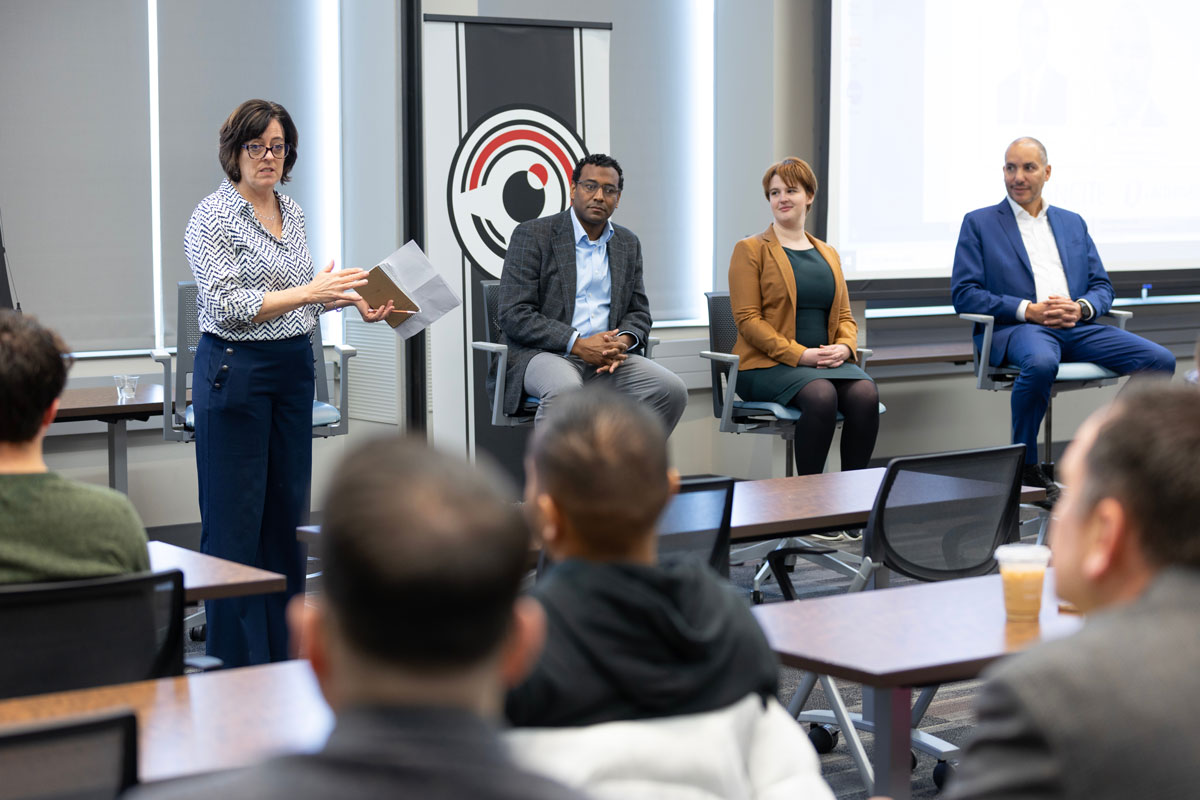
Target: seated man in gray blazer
pixel 573 308
pixel 417 633
pixel 1110 712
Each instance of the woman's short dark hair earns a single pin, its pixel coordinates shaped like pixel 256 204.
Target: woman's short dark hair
pixel 249 121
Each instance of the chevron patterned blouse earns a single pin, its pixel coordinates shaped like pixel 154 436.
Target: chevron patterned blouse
pixel 236 261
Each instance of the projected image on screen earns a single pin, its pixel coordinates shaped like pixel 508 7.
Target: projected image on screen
pixel 926 96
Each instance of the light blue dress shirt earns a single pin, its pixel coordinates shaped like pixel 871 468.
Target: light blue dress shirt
pixel 593 283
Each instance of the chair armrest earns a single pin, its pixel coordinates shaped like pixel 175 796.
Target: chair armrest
pixel 724 358
pixel 1122 317
pixel 344 352
pixel 203 663
pixel 501 353
pixel 648 349
pixel 982 319
pixel 982 381
pixel 733 361
pixel 164 358
pixel 864 354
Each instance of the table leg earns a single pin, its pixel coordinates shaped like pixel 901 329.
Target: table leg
pixel 892 758
pixel 118 456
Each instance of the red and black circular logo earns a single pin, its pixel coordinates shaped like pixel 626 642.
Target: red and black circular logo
pixel 513 166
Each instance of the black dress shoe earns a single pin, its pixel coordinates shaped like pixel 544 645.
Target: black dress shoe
pixel 1032 475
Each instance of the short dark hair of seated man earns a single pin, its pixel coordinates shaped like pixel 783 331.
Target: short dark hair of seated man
pixel 1109 712
pixel 51 528
pixel 414 638
pixel 626 638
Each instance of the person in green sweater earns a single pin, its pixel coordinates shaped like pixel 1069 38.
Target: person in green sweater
pixel 51 528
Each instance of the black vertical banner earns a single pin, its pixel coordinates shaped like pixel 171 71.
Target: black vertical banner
pixel 513 101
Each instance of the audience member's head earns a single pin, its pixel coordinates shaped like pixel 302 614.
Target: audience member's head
pixel 423 557
pixel 33 371
pixel 1132 497
pixel 597 477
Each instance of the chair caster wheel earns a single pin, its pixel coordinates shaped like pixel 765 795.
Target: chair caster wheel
pixel 756 597
pixel 823 737
pixel 942 771
pixel 198 633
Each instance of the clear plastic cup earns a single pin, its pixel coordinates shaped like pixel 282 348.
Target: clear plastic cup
pixel 1023 570
pixel 126 387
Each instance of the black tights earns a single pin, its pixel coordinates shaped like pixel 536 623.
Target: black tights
pixel 819 401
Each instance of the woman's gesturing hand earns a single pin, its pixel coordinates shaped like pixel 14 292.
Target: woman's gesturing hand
pixel 329 285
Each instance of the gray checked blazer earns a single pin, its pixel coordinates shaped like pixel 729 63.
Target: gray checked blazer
pixel 1111 712
pixel 537 295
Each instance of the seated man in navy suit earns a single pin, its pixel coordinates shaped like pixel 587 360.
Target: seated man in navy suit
pixel 1036 270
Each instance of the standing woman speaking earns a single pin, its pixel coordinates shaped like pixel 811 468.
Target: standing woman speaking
pixel 796 335
pixel 252 388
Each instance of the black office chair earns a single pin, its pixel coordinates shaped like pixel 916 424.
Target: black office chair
pixel 936 517
pixel 132 626
pixel 695 524
pixel 91 758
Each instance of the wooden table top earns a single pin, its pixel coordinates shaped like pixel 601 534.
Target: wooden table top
pixel 908 636
pixel 203 722
pixel 210 578
pixel 100 402
pixel 774 507
pixel 831 500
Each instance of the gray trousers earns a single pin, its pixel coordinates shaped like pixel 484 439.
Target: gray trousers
pixel 549 376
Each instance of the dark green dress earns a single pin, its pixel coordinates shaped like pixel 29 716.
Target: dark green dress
pixel 814 297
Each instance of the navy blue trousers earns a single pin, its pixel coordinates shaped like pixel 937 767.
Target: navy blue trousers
pixel 253 409
pixel 1037 350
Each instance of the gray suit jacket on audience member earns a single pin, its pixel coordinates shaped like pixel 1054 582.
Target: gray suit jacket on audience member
pixel 537 294
pixel 389 753
pixel 1112 712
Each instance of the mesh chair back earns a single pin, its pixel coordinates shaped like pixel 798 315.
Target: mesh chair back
pixel 84 759
pixel 187 339
pixel 695 524
pixel 130 625
pixel 722 334
pixel 942 516
pixel 491 306
pixel 321 379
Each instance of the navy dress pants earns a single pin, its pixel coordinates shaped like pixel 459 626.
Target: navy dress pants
pixel 1037 350
pixel 253 411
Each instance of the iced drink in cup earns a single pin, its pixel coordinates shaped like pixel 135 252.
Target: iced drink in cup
pixel 1023 569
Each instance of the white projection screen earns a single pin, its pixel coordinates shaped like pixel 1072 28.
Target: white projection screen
pixel 926 94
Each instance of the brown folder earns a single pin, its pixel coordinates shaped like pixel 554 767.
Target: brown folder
pixel 380 288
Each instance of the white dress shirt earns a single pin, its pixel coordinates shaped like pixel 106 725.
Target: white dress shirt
pixel 1049 277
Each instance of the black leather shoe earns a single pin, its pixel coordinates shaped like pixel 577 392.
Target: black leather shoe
pixel 1032 475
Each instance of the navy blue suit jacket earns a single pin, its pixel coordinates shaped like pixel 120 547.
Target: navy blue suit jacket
pixel 992 274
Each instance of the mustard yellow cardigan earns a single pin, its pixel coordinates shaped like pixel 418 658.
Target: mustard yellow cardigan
pixel 762 292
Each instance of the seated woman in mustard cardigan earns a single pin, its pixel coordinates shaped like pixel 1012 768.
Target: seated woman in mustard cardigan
pixel 796 336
